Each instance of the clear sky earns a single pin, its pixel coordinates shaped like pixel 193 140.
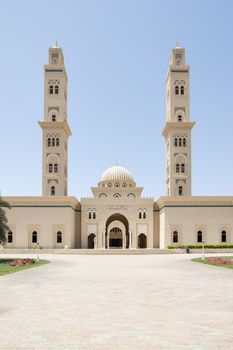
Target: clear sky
pixel 116 55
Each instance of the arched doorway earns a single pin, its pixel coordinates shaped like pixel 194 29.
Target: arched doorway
pixel 142 241
pixel 91 241
pixel 115 238
pixel 120 222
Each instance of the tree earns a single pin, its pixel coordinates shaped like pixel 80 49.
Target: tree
pixel 3 221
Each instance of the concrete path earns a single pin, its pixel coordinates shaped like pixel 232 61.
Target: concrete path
pixel 117 302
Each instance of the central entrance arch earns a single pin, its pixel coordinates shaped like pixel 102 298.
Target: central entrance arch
pixel 117 232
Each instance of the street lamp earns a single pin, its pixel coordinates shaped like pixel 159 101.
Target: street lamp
pixel 38 251
pixel 203 250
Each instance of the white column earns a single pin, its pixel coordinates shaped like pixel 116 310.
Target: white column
pixel 130 239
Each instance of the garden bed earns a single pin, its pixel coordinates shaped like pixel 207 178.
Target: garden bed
pixel 18 264
pixel 220 261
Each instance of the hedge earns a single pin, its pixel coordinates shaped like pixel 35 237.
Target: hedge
pixel 199 246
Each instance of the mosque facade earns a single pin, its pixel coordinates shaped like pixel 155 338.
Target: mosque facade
pixel 117 216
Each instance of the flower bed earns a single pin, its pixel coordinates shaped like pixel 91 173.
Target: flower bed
pixel 22 262
pixel 219 261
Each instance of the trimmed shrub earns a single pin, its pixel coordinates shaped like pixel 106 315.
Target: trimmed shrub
pixel 199 246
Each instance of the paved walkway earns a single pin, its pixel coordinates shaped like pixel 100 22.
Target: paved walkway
pixel 117 302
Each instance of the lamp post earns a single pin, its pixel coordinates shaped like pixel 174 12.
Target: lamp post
pixel 203 250
pixel 38 251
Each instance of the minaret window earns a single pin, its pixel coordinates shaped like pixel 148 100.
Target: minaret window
pixel 199 237
pixel 55 168
pixel 180 142
pixel 50 168
pixel 59 237
pixel 57 141
pixel 53 191
pixel 49 142
pixel 184 142
pixel 34 237
pixel 53 141
pixel 180 190
pixel 183 168
pixel 177 168
pixel 10 237
pixel 54 118
pixel 176 142
pixel 56 89
pixel 51 89
pixel 223 237
pixel 177 90
pixel 182 90
pixel 179 118
pixel 175 237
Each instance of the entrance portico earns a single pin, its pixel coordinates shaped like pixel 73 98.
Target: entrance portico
pixel 117 232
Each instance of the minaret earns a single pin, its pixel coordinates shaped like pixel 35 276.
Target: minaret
pixel 55 127
pixel 178 126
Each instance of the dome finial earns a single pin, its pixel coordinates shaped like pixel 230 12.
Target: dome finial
pixel 177 44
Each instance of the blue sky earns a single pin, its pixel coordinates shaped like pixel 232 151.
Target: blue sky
pixel 116 55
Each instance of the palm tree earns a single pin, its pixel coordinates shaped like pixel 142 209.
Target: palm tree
pixel 3 221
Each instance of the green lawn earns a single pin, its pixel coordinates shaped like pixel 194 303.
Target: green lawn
pixel 7 268
pixel 205 261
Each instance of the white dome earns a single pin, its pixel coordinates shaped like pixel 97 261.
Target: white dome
pixel 116 172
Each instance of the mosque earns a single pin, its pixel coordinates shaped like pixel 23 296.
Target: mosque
pixel 117 216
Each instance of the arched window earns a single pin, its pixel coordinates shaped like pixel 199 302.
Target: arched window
pixel 179 118
pixel 144 215
pixel 176 142
pixel 57 141
pixel 177 168
pixel 50 168
pixel 177 90
pixel 53 141
pixel 53 191
pixel 55 167
pixel 56 89
pixel 10 237
pixel 184 142
pixel 199 237
pixel 180 190
pixel 89 215
pixel 183 168
pixel 59 237
pixel 175 237
pixel 117 184
pixel 109 185
pixel 51 89
pixel 49 142
pixel 94 215
pixel 54 118
pixel 180 142
pixel 224 237
pixel 182 90
pixel 140 215
pixel 34 237
pixel 124 185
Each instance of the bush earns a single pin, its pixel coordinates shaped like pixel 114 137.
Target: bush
pixel 199 246
pixel 21 262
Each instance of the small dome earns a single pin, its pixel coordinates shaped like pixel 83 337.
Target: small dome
pixel 116 172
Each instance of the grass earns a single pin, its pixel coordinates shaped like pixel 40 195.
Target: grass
pixel 7 268
pixel 205 261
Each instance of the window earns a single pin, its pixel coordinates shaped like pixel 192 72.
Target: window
pixel 49 142
pixel 182 90
pixel 179 118
pixel 109 185
pixel 56 89
pixel 34 237
pixel 117 184
pixel 57 141
pixel 175 237
pixel 182 168
pixel 177 168
pixel 55 168
pixel 52 190
pixel 199 237
pixel 184 142
pixel 50 168
pixel 176 142
pixel 54 118
pixel 140 214
pixel 89 215
pixel 94 215
pixel 59 237
pixel 51 89
pixel 180 190
pixel 180 142
pixel 53 141
pixel 224 237
pixel 177 90
pixel 144 215
pixel 10 237
pixel 124 185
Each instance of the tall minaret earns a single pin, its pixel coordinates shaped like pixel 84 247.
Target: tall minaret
pixel 178 126
pixel 55 127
